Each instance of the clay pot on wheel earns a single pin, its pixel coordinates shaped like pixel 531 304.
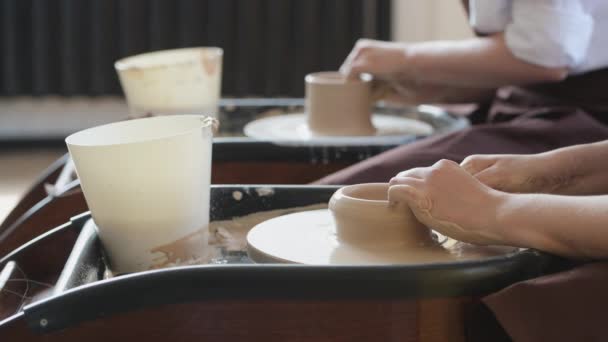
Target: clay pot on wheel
pixel 338 106
pixel 363 217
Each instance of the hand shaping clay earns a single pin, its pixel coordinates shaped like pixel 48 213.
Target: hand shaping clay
pixel 359 229
pixel 310 238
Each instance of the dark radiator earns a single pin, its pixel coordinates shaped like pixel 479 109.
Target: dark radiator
pixel 67 47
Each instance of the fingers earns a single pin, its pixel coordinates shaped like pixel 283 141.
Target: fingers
pixel 445 163
pixel 476 163
pixel 409 191
pixel 418 184
pixel 363 58
pixel 426 172
pixel 353 70
pixel 345 67
pixel 413 182
pixel 383 61
pixel 417 172
pixel 351 67
pixel 490 177
pixel 404 193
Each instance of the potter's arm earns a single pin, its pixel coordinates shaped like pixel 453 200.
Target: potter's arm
pixel 448 199
pixel 587 165
pixel 573 226
pixel 445 71
pixel 573 170
pixel 567 225
pixel 475 62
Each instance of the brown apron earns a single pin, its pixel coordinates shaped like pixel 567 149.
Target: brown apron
pixel 567 306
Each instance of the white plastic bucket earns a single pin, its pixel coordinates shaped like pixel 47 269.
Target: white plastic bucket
pixel 147 184
pixel 179 81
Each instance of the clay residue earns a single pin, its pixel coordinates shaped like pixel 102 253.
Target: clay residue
pixel 210 64
pixel 228 235
pixel 262 192
pixel 231 235
pixel 237 195
pixel 185 251
pixel 458 250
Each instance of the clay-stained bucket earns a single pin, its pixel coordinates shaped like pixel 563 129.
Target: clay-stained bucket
pixel 178 81
pixel 146 182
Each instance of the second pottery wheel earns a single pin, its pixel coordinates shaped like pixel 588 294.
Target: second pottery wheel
pixel 309 238
pixel 292 130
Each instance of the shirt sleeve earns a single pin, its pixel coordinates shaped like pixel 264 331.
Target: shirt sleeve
pixel 489 16
pixel 551 33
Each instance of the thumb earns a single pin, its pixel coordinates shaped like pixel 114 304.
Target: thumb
pixel 476 163
pixel 492 178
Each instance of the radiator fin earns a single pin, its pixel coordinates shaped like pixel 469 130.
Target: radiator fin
pixel 67 47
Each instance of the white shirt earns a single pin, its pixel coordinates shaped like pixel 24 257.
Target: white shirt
pixel 551 33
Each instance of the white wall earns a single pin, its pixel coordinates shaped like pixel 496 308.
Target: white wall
pixel 420 20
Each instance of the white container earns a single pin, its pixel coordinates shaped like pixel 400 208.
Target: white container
pixel 147 184
pixel 179 81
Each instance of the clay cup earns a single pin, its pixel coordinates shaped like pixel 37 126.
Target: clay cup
pixel 339 106
pixel 363 218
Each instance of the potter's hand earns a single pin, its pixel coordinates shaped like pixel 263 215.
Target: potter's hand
pixel 446 198
pixel 386 62
pixel 393 78
pixel 532 173
pixel 397 80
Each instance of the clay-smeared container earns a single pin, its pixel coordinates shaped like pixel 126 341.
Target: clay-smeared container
pixel 339 106
pixel 177 81
pixel 146 182
pixel 363 217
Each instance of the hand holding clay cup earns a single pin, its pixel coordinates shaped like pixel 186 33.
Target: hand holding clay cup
pixel 448 199
pixel 339 106
pixel 179 81
pixel 363 217
pixel 147 184
pixel 396 79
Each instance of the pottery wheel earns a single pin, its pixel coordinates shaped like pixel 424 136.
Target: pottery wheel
pixel 292 129
pixel 309 238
